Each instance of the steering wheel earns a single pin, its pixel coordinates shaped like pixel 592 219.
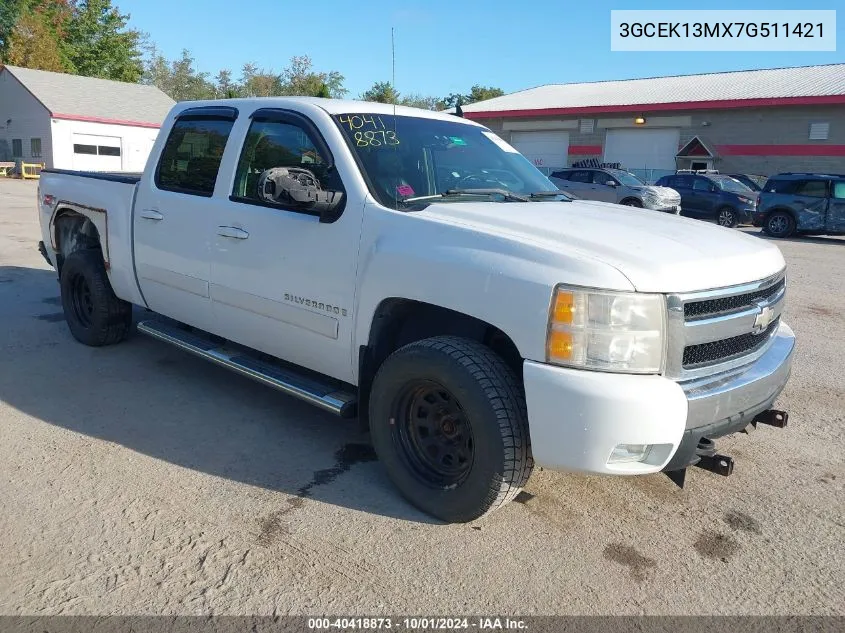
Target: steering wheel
pixel 497 179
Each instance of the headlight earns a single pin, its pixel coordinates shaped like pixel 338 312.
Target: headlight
pixel 609 331
pixel 745 200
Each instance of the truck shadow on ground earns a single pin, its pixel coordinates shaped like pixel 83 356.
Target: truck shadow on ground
pixel 159 401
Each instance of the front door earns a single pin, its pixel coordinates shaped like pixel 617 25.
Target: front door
pixel 836 207
pixel 281 280
pixel 174 221
pixel 603 190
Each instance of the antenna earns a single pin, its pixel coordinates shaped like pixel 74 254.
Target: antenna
pixel 393 86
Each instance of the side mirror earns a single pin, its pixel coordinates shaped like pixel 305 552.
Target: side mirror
pixel 612 183
pixel 299 188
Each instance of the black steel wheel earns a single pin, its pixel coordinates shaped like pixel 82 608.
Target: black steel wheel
pixel 433 433
pixel 448 420
pixel 93 313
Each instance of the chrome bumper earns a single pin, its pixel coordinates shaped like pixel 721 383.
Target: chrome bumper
pixel 739 394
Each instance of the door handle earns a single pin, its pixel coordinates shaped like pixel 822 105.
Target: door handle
pixel 232 231
pixel 151 214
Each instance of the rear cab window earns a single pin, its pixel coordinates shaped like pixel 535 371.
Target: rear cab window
pixel 839 190
pixel 190 159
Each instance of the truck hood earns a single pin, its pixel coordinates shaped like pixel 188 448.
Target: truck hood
pixel 655 251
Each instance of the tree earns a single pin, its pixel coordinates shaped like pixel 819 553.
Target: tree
pixel 98 44
pixel 420 101
pixel 381 92
pixel 476 93
pixel 32 45
pixel 299 78
pixel 10 12
pixel 178 78
pixel 260 83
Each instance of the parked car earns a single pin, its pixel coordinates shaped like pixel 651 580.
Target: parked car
pixel 752 181
pixel 414 270
pixel 813 204
pixel 713 197
pixel 616 185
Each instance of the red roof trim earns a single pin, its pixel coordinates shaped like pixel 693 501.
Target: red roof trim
pixel 584 150
pixel 781 150
pixel 96 119
pixel 660 107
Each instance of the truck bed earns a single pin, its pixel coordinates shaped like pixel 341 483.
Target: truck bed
pixel 129 178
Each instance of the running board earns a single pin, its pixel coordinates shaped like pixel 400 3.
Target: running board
pixel 327 395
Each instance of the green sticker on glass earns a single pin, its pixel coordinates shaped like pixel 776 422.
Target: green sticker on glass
pixel 457 140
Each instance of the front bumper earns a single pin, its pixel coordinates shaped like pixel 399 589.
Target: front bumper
pixel 577 417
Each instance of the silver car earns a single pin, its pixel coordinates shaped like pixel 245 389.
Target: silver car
pixel 616 185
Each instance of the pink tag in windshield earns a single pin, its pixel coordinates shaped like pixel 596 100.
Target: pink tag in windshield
pixel 405 191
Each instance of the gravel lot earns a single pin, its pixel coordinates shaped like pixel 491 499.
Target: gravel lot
pixel 136 479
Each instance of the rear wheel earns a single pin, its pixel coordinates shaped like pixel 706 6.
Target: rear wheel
pixel 93 313
pixel 449 422
pixel 779 224
pixel 727 217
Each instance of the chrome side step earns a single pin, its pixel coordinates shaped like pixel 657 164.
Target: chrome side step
pixel 327 395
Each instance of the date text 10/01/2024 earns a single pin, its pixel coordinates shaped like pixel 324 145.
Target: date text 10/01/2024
pixel 417 623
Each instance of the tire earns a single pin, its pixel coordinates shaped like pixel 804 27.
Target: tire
pixel 727 217
pixel 632 202
pixel 480 444
pixel 93 313
pixel 779 224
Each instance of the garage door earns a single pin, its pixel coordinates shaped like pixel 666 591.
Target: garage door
pixel 96 153
pixel 642 149
pixel 547 150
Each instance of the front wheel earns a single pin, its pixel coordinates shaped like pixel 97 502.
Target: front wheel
pixel 448 420
pixel 727 217
pixel 632 202
pixel 779 224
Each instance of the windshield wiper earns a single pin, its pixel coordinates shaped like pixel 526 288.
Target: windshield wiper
pixel 509 196
pixel 551 194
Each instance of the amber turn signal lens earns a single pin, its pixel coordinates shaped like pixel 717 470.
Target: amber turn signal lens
pixel 560 345
pixel 564 307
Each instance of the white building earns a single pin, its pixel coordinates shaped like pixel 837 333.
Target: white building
pixel 72 122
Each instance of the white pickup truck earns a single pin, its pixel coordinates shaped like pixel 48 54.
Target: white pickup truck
pixel 412 269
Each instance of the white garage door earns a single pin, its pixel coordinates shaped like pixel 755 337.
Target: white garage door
pixel 642 149
pixel 547 150
pixel 96 153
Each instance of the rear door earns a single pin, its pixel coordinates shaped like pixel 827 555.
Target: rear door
pixel 174 217
pixel 581 183
pixel 836 207
pixel 703 198
pixel 683 185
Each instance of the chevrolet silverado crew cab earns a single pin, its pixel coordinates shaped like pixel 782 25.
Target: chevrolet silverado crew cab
pixel 413 270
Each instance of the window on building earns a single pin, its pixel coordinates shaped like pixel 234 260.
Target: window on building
pixel 17 148
pixel 819 131
pixel 279 144
pixel 35 147
pixel 191 156
pixel 84 149
pixel 106 150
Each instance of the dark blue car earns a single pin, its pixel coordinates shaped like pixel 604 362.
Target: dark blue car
pixel 713 197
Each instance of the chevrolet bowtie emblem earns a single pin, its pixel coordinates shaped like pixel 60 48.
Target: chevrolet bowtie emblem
pixel 763 319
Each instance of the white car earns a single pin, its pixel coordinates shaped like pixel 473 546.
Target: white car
pixel 413 269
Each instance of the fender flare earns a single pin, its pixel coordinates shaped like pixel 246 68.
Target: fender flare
pixel 97 217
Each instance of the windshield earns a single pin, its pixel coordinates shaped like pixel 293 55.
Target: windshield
pixel 406 157
pixel 726 183
pixel 626 178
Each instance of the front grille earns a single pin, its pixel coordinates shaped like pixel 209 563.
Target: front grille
pixel 726 349
pixel 725 305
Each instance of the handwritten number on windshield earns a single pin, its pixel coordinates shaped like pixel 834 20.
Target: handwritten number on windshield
pixel 361 122
pixel 375 138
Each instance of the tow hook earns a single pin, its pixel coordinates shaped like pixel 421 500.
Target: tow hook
pixel 712 461
pixel 772 417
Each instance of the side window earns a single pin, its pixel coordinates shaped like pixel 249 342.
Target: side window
pixel 839 189
pixel 581 175
pixel 601 178
pixel 683 182
pixel 813 189
pixel 272 144
pixel 191 156
pixel 563 175
pixel 781 186
pixel 701 184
